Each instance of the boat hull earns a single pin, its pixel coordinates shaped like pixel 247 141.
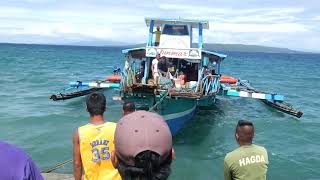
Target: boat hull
pixel 177 120
pixel 176 111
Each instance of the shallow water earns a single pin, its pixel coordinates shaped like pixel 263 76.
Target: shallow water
pixel 31 73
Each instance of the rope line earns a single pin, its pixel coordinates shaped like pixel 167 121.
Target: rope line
pixel 160 101
pixel 57 166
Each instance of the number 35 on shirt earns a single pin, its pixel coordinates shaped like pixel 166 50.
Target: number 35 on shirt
pixel 100 150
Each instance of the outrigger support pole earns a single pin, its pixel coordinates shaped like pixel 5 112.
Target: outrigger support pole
pixel 279 105
pixel 149 43
pixel 200 36
pixel 276 101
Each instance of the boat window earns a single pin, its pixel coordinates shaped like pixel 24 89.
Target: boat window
pixel 178 30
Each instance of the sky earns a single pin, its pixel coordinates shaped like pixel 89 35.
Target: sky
pixel 278 23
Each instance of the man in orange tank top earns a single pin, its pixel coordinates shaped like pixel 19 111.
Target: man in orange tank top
pixel 93 144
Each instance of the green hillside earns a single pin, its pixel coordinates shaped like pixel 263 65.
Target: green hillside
pixel 248 48
pixel 238 48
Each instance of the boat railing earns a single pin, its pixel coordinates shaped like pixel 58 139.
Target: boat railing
pixel 209 84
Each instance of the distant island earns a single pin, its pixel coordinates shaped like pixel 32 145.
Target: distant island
pixel 248 48
pixel 240 48
pixel 209 46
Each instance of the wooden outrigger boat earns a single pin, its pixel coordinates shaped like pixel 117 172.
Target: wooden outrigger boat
pixel 176 101
pixel 195 77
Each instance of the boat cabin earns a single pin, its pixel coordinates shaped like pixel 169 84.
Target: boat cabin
pixel 175 36
pixel 186 69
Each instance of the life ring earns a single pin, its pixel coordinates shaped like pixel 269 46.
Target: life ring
pixel 114 78
pixel 228 79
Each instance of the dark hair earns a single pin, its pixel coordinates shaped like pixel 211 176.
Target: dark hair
pixel 96 103
pixel 129 107
pixel 245 135
pixel 148 166
pixel 244 123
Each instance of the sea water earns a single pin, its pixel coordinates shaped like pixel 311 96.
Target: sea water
pixel 29 74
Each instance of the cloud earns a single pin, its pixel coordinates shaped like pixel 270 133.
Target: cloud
pixel 12 12
pixel 229 11
pixel 250 22
pixel 271 28
pixel 316 18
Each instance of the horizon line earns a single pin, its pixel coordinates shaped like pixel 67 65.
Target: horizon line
pixel 126 45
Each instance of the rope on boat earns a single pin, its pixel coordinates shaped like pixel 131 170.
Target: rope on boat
pixel 160 101
pixel 57 166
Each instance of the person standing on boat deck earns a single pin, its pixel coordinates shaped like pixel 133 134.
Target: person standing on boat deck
pixel 143 147
pixel 162 67
pixel 15 164
pixel 171 68
pixel 128 107
pixel 154 68
pixel 249 161
pixel 93 143
pixel 158 34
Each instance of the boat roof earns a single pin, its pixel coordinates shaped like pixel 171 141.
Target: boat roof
pixel 193 23
pixel 140 52
pixel 137 53
pixel 210 53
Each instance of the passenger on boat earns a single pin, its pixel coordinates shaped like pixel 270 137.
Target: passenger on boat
pixel 162 66
pixel 191 70
pixel 140 74
pixel 143 147
pixel 155 69
pixel 249 161
pixel 128 107
pixel 171 67
pixel 93 143
pixel 205 71
pixel 157 38
pixel 116 70
pixel 15 164
pixel 213 72
pixel 182 78
pixel 164 69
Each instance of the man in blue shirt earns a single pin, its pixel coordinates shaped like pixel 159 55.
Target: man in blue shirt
pixel 15 164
